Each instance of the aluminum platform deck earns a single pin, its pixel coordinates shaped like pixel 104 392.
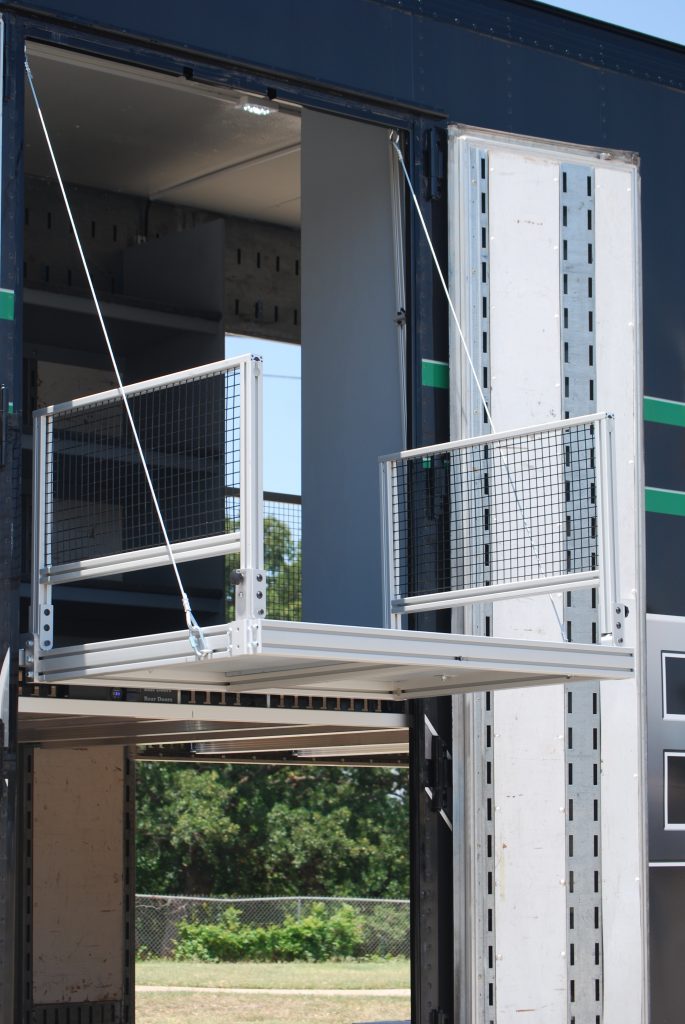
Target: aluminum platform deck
pixel 267 656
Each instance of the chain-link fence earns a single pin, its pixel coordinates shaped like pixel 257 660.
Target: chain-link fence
pixel 385 923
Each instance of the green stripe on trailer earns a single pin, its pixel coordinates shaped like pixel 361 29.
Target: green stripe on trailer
pixel 6 304
pixel 435 374
pixel 662 410
pixel 669 503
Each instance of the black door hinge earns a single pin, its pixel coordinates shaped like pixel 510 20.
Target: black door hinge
pixel 435 162
pixel 439 778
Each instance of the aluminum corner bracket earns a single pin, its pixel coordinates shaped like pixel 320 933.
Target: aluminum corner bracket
pixel 246 637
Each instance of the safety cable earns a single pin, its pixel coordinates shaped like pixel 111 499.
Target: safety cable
pixel 195 634
pixel 394 139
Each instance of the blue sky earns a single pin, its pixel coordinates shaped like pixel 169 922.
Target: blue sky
pixel 281 409
pixel 662 18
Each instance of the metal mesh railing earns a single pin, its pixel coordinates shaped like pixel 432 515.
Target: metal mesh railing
pixel 494 515
pixel 94 513
pixel 97 502
pixel 384 923
pixel 282 555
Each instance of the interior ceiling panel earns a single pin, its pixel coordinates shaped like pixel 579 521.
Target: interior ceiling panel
pixel 262 187
pixel 122 130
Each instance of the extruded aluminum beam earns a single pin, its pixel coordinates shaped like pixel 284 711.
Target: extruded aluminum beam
pixel 306 658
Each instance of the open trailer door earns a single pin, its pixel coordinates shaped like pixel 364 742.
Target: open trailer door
pixel 545 276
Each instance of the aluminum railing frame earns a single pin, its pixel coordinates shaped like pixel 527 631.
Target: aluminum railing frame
pixel 247 541
pixel 604 577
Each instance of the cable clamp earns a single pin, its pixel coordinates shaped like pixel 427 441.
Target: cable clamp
pixel 197 638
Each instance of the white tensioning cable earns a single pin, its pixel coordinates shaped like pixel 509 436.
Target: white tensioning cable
pixel 395 142
pixel 195 634
pixel 394 139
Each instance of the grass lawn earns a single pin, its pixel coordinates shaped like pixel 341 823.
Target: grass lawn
pixel 346 974
pixel 262 1008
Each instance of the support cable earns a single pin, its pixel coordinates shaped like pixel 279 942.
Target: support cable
pixel 195 634
pixel 394 139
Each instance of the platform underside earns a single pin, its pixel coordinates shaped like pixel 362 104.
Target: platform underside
pixel 270 657
pixel 207 733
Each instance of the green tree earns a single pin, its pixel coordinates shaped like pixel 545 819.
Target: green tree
pixel 184 827
pixel 257 830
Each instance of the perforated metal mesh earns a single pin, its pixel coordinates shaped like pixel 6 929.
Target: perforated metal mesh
pixel 282 556
pixel 97 499
pixel 510 510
